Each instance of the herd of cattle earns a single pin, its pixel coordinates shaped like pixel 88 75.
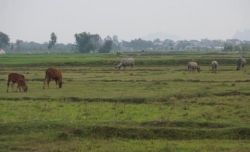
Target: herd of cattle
pixel 55 74
pixel 241 62
pixel 50 74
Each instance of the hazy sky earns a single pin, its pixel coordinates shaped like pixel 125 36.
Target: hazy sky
pixel 35 20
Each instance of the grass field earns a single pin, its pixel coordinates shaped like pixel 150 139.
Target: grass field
pixel 157 106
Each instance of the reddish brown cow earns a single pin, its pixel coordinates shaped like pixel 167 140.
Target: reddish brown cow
pixel 21 83
pixel 53 74
pixel 19 79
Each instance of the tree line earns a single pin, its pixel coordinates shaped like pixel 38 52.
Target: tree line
pixel 84 43
pixel 87 42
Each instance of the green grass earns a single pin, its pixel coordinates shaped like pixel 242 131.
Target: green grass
pixel 150 108
pixel 216 109
pixel 147 59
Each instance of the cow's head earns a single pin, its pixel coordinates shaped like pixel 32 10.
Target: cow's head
pixel 198 69
pixel 118 66
pixel 60 84
pixel 25 88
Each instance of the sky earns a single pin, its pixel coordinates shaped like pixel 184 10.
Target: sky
pixel 35 20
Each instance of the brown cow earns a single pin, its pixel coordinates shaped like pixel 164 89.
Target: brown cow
pixel 54 74
pixel 21 83
pixel 19 79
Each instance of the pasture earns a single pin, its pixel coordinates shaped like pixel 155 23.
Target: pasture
pixel 157 106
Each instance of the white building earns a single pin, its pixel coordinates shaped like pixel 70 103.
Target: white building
pixel 2 51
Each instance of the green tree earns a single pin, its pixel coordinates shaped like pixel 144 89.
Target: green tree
pixel 4 40
pixel 18 45
pixel 12 47
pixel 138 44
pixel 84 42
pixel 245 47
pixel 228 47
pixel 52 41
pixel 96 40
pixel 237 48
pixel 157 40
pixel 115 39
pixel 116 45
pixel 107 46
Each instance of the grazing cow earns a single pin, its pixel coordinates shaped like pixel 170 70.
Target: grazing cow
pixel 19 79
pixel 241 62
pixel 193 66
pixel 214 66
pixel 126 62
pixel 53 74
pixel 21 83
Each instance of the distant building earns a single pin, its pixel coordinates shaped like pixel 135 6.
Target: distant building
pixel 219 47
pixel 2 51
pixel 234 42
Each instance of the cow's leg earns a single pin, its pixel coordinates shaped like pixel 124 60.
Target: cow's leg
pixel 20 88
pixel 12 86
pixel 17 87
pixel 56 81
pixel 44 82
pixel 48 82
